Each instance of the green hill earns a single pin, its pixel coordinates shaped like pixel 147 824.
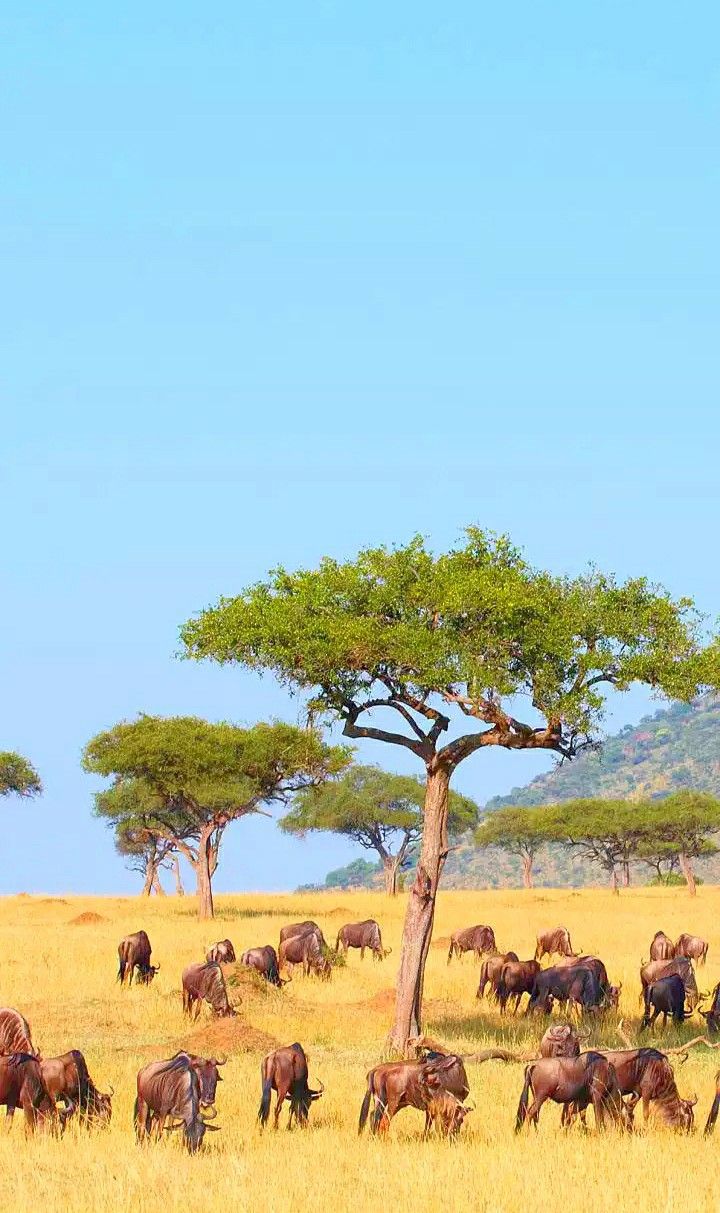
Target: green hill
pixel 678 747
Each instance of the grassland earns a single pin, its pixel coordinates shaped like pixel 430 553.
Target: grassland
pixel 61 974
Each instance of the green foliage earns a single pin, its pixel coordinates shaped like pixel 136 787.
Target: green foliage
pixel 520 831
pixel 18 776
pixel 670 880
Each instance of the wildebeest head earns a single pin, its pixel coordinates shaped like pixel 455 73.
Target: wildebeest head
pixel 612 997
pixel 208 1078
pixel 145 973
pixel 686 1115
pixel 447 1113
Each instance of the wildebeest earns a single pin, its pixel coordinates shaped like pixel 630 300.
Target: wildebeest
pixel 479 939
pixel 655 969
pixel 714 1107
pixel 205 982
pixel 308 951
pixel 490 971
pixel 302 928
pixel 285 1071
pixel 646 1074
pixel 67 1079
pixel 14 1033
pixel 693 947
pixel 412 1084
pixel 134 955
pixel 662 947
pixel 595 965
pixel 712 1017
pixel 517 977
pixel 555 942
pixel 180 1089
pixel 22 1086
pixel 665 997
pixel 561 1040
pixel 362 935
pixel 577 987
pixel 580 1081
pixel 222 953
pixel 264 961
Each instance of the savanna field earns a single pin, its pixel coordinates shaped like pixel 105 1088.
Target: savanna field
pixel 58 964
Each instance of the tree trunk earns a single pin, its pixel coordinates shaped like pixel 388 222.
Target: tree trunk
pixel 687 871
pixel 391 869
pixel 614 882
pixel 206 908
pixel 156 886
pixel 420 914
pixel 626 874
pixel 150 875
pixel 527 870
pixel 179 889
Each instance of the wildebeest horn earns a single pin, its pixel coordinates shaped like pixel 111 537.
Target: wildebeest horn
pixel 317 1094
pixel 111 1092
pixel 212 1128
pixel 388 951
pixel 219 1062
pixel 208 1114
pixel 180 1125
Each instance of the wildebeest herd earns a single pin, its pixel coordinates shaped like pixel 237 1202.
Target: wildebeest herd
pixel 179 1093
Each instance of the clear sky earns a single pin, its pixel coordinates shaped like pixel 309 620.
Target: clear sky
pixel 285 280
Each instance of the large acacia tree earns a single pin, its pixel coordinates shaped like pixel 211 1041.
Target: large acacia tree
pixel 381 811
pixel 18 776
pixel 402 646
pixel 185 779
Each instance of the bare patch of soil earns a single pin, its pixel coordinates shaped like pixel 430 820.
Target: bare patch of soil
pixel 87 919
pixel 227 1036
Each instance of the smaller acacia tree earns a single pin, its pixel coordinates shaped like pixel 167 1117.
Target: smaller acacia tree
pixel 380 811
pixel 197 777
pixel 605 832
pixel 145 853
pixel 129 806
pixel 18 776
pixel 684 823
pixel 519 831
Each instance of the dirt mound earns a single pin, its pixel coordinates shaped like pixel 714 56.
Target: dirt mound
pixel 443 942
pixel 339 911
pixel 52 901
pixel 384 1000
pixel 87 919
pixel 229 1036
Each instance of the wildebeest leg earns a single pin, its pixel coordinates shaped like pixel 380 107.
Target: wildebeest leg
pixel 198 1005
pixel 533 1112
pixel 282 1093
pixel 362 952
pixel 9 1113
pixel 157 1126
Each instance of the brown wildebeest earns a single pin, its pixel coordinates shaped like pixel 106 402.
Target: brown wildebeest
pixel 587 1079
pixel 714 1107
pixel 67 1078
pixel 611 993
pixel 22 1086
pixel 693 947
pixel 662 947
pixel 306 950
pixel 412 1084
pixel 517 977
pixel 362 935
pixel 134 955
pixel 179 1089
pixel 646 1074
pixel 302 928
pixel 286 1072
pixel 555 942
pixel 222 953
pixel 265 962
pixel 656 969
pixel 712 1017
pixel 479 939
pixel 205 982
pixel 665 997
pixel 561 1040
pixel 490 971
pixel 15 1034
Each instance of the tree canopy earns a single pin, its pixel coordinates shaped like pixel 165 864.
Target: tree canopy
pixel 186 779
pixel 377 809
pixel 18 776
pixel 519 831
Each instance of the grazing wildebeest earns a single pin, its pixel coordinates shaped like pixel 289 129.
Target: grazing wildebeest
pixel 362 935
pixel 22 1086
pixel 517 977
pixel 595 965
pixel 693 947
pixel 646 1074
pixel 666 996
pixel 655 969
pixel 222 953
pixel 302 928
pixel 445 1112
pixel 561 1040
pixel 479 939
pixel 411 1084
pixel 712 1017
pixel 14 1034
pixel 286 1072
pixel 205 982
pixel 180 1089
pixel 662 947
pixel 265 962
pixel 490 971
pixel 715 1106
pixel 554 942
pixel 580 1081
pixel 67 1079
pixel 134 954
pixel 306 950
pixel 577 987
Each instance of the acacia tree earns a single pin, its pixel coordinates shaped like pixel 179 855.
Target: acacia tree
pixel 18 776
pixel 380 811
pixel 197 777
pixel 605 832
pixel 423 641
pixel 145 853
pixel 518 830
pixel 683 822
pixel 129 807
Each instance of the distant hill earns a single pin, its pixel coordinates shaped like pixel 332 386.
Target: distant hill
pixel 677 747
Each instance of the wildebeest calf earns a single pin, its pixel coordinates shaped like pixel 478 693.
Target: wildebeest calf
pixel 205 982
pixel 285 1071
pixel 413 1084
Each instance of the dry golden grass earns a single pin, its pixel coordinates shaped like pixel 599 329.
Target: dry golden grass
pixel 58 966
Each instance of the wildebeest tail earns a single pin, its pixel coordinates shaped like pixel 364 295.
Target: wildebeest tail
pixel 710 1125
pixel 524 1100
pixel 86 1089
pixel 264 1109
pixel 365 1106
pixel 451 949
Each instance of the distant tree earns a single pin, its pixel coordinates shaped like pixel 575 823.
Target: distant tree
pixel 18 776
pixel 197 777
pixel 423 642
pixel 605 832
pixel 145 853
pixel 380 811
pixel 662 857
pixel 518 831
pixel 129 805
pixel 684 822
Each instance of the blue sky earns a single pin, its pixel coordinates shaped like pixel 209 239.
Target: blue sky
pixel 286 280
